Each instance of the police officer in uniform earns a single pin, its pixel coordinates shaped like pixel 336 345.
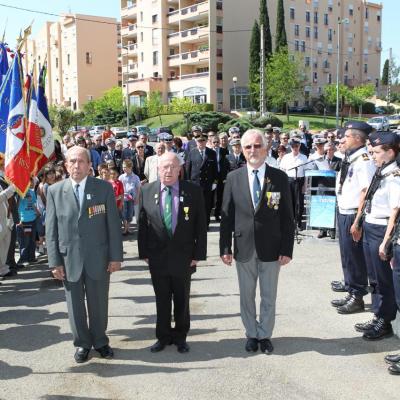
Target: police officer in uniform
pixel 382 202
pixel 351 186
pixel 236 158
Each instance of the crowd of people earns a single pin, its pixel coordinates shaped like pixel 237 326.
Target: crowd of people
pixel 171 175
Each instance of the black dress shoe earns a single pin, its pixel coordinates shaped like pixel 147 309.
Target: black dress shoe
pixel 392 358
pixel 11 273
pixel 354 305
pixel 81 355
pixel 266 346
pixel 321 234
pixel 338 287
pixel 341 302
pixel 183 347
pixel 251 345
pixel 106 352
pixel 157 346
pixel 380 330
pixel 394 369
pixel 365 326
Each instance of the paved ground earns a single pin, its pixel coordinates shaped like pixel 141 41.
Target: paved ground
pixel 318 355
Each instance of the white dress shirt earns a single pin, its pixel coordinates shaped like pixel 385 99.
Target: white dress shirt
pixel 81 189
pixel 290 161
pixel 261 176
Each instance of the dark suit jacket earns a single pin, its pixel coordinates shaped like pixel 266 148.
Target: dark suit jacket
pixel 148 150
pixel 172 255
pixel 233 164
pixel 223 163
pixel 202 172
pixel 83 239
pixel 267 230
pixel 335 164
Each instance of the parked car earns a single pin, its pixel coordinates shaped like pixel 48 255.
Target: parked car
pixel 153 135
pixel 142 129
pixel 379 110
pixel 97 129
pixel 120 132
pixel 394 120
pixel 379 123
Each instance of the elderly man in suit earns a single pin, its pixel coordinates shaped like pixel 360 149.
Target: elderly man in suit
pixel 151 164
pixel 172 238
pixel 84 245
pixel 257 210
pixel 201 168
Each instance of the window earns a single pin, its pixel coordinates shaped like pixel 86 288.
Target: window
pixel 296 45
pixel 330 34
pixel 155 37
pixel 346 66
pixel 155 57
pixel 315 17
pixel 141 36
pixel 366 12
pixel 141 57
pixel 315 32
pixel 303 46
pixel 308 31
pixel 350 10
pixel 329 80
pixel 68 59
pixel 56 62
pixel 88 58
pixel 154 18
pixel 308 17
pixel 296 30
pixel 365 68
pixel 378 18
pixel 307 61
pixel 315 77
pixel 326 20
pixel 291 13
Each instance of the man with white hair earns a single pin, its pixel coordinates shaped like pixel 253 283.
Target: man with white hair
pixel 257 210
pixel 151 163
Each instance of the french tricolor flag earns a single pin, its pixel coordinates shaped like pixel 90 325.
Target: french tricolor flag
pixel 17 163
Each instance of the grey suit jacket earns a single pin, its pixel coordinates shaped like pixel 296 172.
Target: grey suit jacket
pixel 87 239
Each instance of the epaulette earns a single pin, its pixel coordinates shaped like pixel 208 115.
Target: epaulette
pixel 365 157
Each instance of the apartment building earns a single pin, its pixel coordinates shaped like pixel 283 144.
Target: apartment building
pixel 200 49
pixel 82 58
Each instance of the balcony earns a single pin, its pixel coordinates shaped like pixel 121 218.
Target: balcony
pixel 193 57
pixel 129 30
pixel 189 76
pixel 192 35
pixel 129 11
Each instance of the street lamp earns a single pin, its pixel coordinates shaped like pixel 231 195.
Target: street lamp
pixel 341 21
pixel 234 80
pixel 126 87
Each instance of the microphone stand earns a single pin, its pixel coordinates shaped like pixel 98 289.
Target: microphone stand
pixel 297 235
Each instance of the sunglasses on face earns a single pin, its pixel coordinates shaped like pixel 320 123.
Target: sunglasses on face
pixel 140 147
pixel 255 146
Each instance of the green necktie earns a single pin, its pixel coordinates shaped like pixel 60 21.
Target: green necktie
pixel 168 210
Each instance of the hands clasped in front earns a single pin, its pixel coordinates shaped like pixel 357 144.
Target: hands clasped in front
pixel 227 259
pixel 59 271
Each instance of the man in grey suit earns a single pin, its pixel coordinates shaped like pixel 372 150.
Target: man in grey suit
pixel 84 244
pixel 257 209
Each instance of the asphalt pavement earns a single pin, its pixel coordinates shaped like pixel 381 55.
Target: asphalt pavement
pixel 318 354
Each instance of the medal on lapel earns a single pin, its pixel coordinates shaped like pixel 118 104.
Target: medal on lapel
pixel 156 198
pixel 186 211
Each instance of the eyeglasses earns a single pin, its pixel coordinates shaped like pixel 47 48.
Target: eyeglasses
pixel 140 147
pixel 255 146
pixel 215 142
pixel 167 140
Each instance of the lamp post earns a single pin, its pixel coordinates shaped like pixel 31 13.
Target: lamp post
pixel 234 80
pixel 341 21
pixel 127 89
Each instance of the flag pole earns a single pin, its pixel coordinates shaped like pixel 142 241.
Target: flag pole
pixel 22 39
pixel 4 33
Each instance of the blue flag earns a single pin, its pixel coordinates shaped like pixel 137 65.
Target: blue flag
pixel 3 62
pixel 5 92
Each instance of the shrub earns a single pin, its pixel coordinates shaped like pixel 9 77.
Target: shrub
pixel 242 123
pixel 262 122
pixel 368 108
pixel 209 120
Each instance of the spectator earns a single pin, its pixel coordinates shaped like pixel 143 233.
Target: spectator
pixel 118 188
pixel 151 164
pixel 107 133
pixel 104 173
pixel 139 160
pixel 148 150
pixel 131 185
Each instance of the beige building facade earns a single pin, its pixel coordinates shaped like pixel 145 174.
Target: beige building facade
pixel 82 58
pixel 197 49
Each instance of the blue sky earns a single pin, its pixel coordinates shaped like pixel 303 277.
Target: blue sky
pixel 110 8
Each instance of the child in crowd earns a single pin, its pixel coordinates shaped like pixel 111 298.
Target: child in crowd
pixel 104 173
pixel 26 228
pixel 131 184
pixel 118 189
pixel 48 178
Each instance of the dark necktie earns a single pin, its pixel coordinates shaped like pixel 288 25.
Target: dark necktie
pixel 256 188
pixel 168 210
pixel 76 193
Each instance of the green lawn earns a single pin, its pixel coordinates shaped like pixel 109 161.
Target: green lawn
pixel 166 120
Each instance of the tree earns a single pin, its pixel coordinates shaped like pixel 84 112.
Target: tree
pixel 254 65
pixel 284 79
pixel 62 118
pixel 154 105
pixel 330 93
pixel 264 20
pixel 385 73
pixel 357 96
pixel 280 39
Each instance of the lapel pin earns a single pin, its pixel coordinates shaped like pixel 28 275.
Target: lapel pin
pixel 88 196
